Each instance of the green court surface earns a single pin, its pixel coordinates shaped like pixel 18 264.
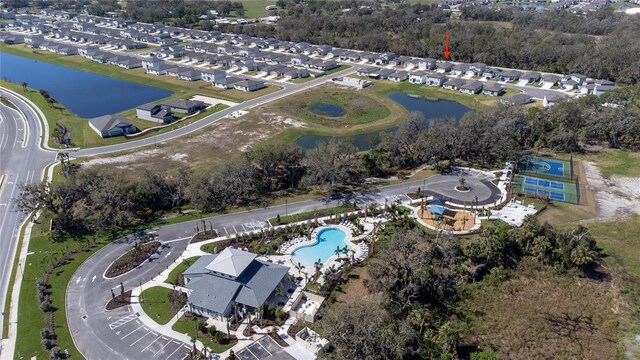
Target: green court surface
pixel 545 167
pixel 551 189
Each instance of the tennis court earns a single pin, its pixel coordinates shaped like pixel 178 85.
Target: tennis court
pixel 545 166
pixel 543 183
pixel 554 190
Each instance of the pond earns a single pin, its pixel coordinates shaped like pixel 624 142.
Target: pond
pixel 85 94
pixel 431 109
pixel 324 109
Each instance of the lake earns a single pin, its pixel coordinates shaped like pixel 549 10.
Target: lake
pixel 85 94
pixel 324 109
pixel 431 109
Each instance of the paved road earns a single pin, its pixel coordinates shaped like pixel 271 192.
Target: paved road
pixel 21 161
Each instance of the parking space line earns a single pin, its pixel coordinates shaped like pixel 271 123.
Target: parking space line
pixel 243 228
pixel 143 336
pixel 265 349
pixel 174 351
pixel 225 230
pixel 254 355
pixel 161 349
pixel 153 342
pixel 138 328
pixel 234 228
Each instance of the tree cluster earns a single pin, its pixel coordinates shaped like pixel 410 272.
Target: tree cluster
pixel 417 282
pixel 505 133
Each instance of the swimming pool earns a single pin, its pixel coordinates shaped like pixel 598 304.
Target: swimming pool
pixel 327 242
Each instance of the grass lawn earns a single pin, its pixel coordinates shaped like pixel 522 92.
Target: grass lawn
pixel 189 327
pixel 312 214
pixel 30 318
pixel 155 302
pixel 361 111
pixel 558 213
pixel 620 241
pixel 616 162
pixel 176 274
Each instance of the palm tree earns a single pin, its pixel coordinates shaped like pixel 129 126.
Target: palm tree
pixel 353 254
pixel 345 250
pixel 462 181
pixel 260 310
pixel 299 267
pixel 338 251
pixel 317 265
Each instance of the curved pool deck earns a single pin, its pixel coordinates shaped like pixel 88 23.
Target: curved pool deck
pixel 330 261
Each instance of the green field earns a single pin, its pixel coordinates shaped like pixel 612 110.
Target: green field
pixel 255 8
pixel 620 241
pixel 155 302
pixel 358 108
pixel 616 162
pixel 176 273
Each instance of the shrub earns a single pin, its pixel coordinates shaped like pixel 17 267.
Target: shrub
pixel 220 337
pixel 45 305
pixel 213 331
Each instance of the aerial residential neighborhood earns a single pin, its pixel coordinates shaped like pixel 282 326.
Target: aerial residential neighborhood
pixel 319 179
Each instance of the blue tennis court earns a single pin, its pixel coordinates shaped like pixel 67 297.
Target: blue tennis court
pixel 544 183
pixel 539 165
pixel 551 194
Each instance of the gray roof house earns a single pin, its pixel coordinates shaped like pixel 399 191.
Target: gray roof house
pixel 247 85
pixel 154 112
pixel 471 87
pixel 111 125
pixel 517 99
pixel 531 76
pixel 226 82
pixel 453 84
pixel 436 79
pixel 218 281
pixel 492 89
pixel 182 105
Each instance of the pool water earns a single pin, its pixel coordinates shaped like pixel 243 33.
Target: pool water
pixel 325 248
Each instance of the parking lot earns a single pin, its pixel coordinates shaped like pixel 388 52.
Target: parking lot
pixel 264 348
pixel 148 343
pixel 247 225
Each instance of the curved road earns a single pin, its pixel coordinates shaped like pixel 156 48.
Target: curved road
pixel 21 161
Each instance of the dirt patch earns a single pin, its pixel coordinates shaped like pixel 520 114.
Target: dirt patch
pixel 131 259
pixel 206 148
pixel 615 197
pixel 119 301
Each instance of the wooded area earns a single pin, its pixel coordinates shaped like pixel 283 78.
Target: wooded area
pixel 90 200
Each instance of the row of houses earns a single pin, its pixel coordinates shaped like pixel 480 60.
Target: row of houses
pixel 230 47
pixel 217 78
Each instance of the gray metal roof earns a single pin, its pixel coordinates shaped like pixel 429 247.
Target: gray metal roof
pixel 213 292
pixel 199 267
pixel 260 279
pixel 231 261
pixel 108 122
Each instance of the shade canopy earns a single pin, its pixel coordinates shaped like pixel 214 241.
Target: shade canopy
pixel 437 209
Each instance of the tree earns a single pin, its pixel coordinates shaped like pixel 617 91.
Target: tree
pixel 299 267
pixel 25 86
pixel 462 181
pixel 317 265
pixel 332 163
pixel 364 330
